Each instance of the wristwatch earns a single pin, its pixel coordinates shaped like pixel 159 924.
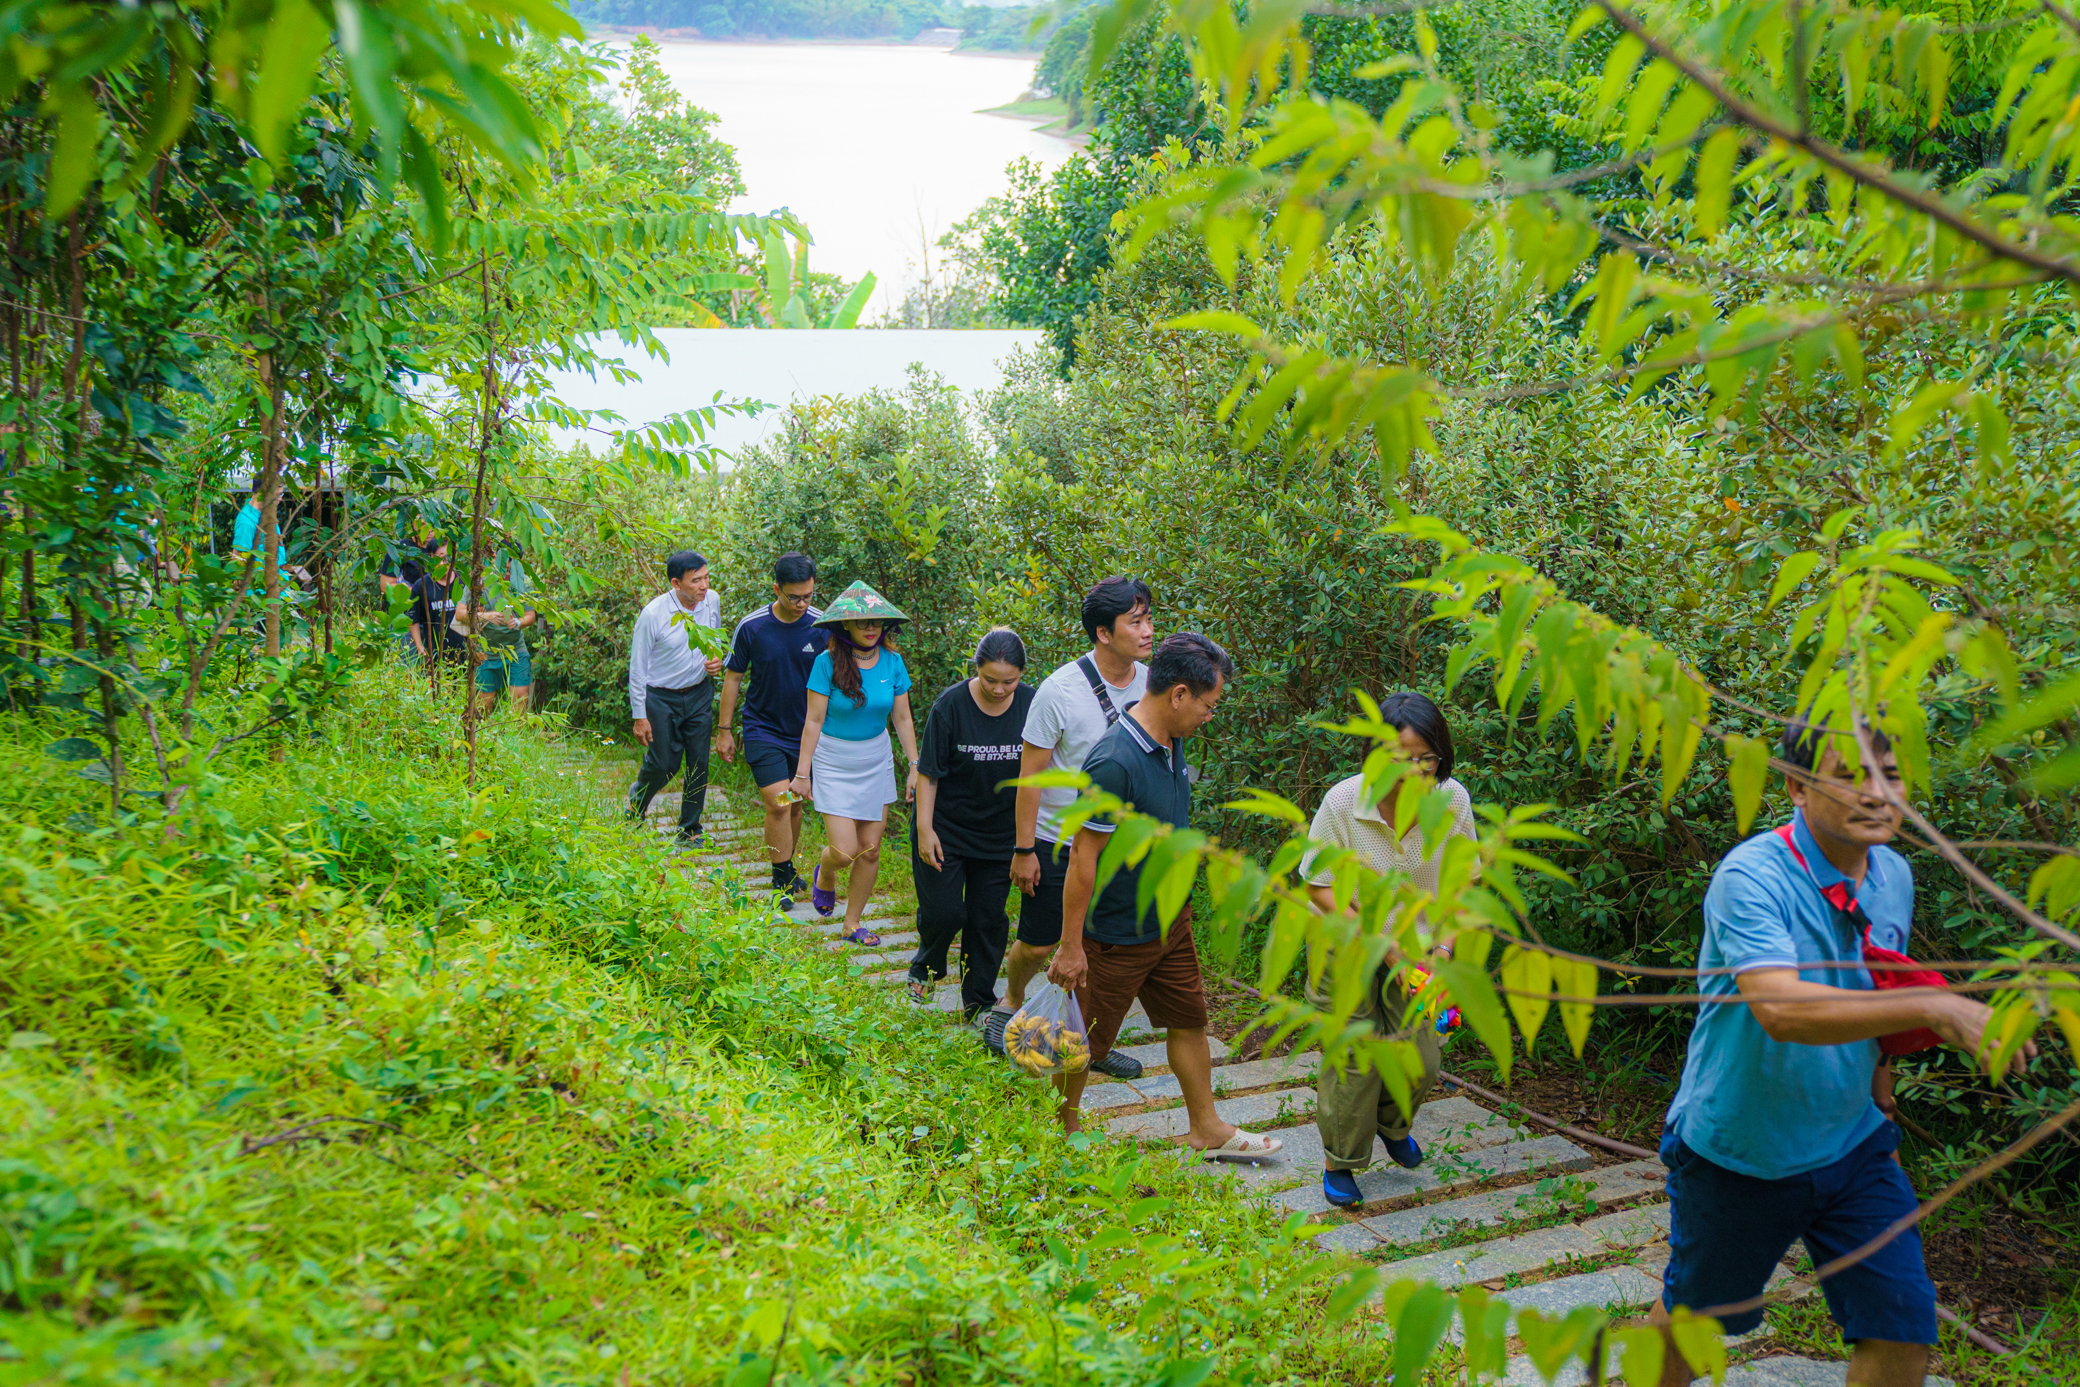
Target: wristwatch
pixel 1021 852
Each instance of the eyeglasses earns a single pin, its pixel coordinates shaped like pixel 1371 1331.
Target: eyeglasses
pixel 791 599
pixel 1426 763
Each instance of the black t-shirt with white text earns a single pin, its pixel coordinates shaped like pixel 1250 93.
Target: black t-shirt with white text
pixel 969 753
pixel 433 609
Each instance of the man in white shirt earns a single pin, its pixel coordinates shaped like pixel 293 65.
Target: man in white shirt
pixel 1074 707
pixel 671 690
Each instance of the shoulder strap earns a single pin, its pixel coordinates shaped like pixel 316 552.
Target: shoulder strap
pixel 1839 896
pixel 1090 672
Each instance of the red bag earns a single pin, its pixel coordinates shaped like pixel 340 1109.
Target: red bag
pixel 1889 968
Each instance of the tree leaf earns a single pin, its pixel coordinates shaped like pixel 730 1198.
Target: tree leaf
pixel 1794 571
pixel 1421 1323
pixel 73 749
pixel 1527 971
pixel 1747 773
pixel 1575 978
pixel 297 37
pixel 1479 1006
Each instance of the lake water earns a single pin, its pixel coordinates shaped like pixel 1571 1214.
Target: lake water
pixel 878 147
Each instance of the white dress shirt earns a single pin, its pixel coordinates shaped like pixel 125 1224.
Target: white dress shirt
pixel 660 655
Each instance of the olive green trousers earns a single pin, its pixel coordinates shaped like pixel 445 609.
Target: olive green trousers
pixel 1352 1106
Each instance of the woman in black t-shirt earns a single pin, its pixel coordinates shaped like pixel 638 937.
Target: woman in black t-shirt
pixel 962 833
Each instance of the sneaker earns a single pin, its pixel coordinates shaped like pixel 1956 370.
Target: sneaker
pixel 1340 1188
pixel 1405 1152
pixel 823 901
pixel 792 887
pixel 990 1025
pixel 1118 1064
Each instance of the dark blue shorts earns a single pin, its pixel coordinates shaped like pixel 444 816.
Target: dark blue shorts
pixel 1728 1231
pixel 770 764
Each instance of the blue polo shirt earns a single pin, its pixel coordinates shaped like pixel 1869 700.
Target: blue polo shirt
pixel 1758 1106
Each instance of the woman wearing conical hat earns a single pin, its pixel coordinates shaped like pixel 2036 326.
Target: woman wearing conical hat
pixel 859 688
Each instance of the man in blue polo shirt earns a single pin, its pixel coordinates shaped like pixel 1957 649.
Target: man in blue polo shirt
pixel 1776 1133
pixel 777 645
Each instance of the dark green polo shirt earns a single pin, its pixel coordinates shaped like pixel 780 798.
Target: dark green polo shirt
pixel 1155 781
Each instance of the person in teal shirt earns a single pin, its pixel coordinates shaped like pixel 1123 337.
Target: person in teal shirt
pixel 501 635
pixel 245 531
pixel 859 688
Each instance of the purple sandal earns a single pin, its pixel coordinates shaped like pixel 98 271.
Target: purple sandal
pixel 823 901
pixel 862 936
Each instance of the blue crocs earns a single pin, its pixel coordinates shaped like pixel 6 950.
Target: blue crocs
pixel 1405 1152
pixel 1340 1187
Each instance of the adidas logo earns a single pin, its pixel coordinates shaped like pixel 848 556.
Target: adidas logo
pixel 808 649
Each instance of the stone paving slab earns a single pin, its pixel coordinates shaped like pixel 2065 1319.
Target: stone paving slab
pixel 1453 1123
pixel 880 960
pixel 1257 1112
pixel 1606 1184
pixel 1285 1069
pixel 1539 1248
pixel 806 913
pixel 1156 1054
pixel 905 939
pixel 835 926
pixel 1784 1371
pixel 1547 1155
pixel 1617 1288
pixel 1621 1288
pixel 1098 1097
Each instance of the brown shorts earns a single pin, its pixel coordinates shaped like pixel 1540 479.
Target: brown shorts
pixel 1164 974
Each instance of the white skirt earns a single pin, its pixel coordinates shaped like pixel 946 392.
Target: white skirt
pixel 853 780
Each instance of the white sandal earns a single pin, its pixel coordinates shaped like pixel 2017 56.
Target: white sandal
pixel 1245 1146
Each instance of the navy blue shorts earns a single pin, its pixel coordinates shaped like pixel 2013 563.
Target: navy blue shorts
pixel 1728 1231
pixel 1040 914
pixel 770 765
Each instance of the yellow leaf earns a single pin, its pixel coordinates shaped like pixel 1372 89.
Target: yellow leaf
pixel 1575 978
pixel 1528 974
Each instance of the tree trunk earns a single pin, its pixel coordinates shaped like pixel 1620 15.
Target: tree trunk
pixel 487 425
pixel 105 650
pixel 270 485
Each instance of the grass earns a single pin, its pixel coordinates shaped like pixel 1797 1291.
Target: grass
pixel 364 1076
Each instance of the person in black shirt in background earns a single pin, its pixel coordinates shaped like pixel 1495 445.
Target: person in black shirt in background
pixel 963 830
pixel 434 636
pixel 409 570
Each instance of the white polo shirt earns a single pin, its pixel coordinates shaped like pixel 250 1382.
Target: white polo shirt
pixel 1363 831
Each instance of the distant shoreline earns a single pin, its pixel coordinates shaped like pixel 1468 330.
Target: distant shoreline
pixel 681 36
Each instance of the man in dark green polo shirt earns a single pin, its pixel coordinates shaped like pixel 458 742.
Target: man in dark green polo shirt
pixel 1110 952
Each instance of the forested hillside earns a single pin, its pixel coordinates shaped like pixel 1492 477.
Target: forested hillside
pixel 1019 28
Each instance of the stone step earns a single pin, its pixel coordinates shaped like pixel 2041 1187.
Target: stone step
pixel 806 913
pixel 1234 1078
pixel 1534 1155
pixel 880 924
pixel 1535 1250
pixel 879 960
pixel 906 940
pixel 1285 1069
pixel 1259 1111
pixel 1617 1289
pixel 1431 1221
pixel 1156 1053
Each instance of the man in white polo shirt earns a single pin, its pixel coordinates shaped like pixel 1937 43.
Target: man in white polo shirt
pixel 671 691
pixel 1353 1106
